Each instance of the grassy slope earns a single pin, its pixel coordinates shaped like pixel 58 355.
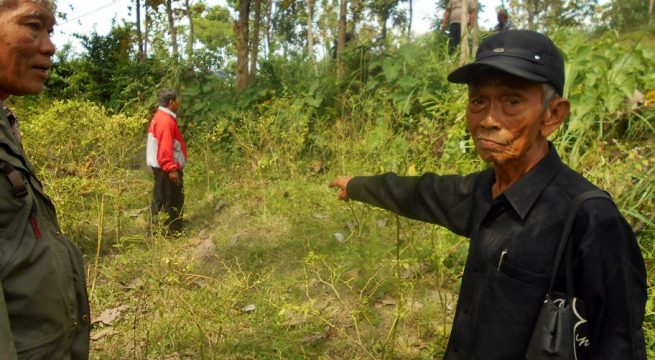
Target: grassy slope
pixel 272 244
pixel 275 248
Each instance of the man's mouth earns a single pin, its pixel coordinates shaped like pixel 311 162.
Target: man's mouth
pixel 490 142
pixel 42 68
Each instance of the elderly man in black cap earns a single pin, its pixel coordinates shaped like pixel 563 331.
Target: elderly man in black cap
pixel 514 214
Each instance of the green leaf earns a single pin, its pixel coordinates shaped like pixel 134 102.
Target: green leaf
pixel 391 69
pixel 408 83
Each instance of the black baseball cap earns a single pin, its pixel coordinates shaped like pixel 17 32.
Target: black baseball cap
pixel 522 53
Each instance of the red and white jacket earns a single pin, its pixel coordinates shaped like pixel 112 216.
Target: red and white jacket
pixel 166 148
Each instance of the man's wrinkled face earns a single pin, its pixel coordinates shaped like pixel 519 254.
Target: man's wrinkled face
pixel 505 116
pixel 25 48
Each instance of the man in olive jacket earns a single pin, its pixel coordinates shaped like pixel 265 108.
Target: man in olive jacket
pixel 44 312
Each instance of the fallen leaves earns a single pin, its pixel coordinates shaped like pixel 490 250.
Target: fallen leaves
pixel 108 316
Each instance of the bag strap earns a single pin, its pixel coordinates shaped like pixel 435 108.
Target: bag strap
pixel 19 189
pixel 565 244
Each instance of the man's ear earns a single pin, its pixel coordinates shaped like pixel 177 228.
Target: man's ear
pixel 558 111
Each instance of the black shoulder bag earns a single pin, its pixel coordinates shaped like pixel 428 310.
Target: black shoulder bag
pixel 561 328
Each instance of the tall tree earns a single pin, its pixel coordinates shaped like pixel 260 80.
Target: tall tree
pixel 310 32
pixel 146 27
pixel 341 40
pixel 255 41
pixel 171 28
pixel 269 10
pixel 192 36
pixel 139 35
pixel 464 37
pixel 411 18
pixel 383 9
pixel 650 13
pixel 531 8
pixel 241 32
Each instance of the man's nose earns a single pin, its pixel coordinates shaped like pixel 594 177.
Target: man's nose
pixel 490 118
pixel 47 47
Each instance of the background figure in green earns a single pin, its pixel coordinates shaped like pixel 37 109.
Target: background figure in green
pixel 514 213
pixel 453 15
pixel 44 311
pixel 503 20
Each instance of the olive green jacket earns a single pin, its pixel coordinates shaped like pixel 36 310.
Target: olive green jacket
pixel 44 311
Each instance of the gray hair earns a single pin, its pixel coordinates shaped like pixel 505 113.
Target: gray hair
pixel 549 94
pixel 49 4
pixel 166 96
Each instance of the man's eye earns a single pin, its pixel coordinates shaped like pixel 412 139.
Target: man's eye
pixel 34 26
pixel 512 101
pixel 477 101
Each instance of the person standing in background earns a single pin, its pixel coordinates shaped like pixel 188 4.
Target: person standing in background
pixel 166 155
pixel 453 14
pixel 503 20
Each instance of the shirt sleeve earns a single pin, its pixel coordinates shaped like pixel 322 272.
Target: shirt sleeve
pixel 166 150
pixel 444 200
pixel 8 351
pixel 473 6
pixel 613 286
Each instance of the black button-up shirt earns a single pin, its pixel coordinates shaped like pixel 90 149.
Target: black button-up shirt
pixel 513 241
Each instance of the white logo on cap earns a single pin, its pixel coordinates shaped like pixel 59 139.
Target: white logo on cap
pixel 537 57
pixel 499 50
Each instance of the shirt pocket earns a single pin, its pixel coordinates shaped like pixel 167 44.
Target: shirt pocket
pixel 510 300
pixel 15 217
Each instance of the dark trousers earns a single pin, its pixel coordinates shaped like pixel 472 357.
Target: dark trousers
pixel 168 197
pixel 455 35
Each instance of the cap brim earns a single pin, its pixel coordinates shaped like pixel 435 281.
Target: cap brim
pixel 511 65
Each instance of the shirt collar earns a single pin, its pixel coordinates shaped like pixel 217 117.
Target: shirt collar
pixel 168 111
pixel 10 115
pixel 525 192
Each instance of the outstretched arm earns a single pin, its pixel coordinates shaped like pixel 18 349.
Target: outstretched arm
pixel 443 200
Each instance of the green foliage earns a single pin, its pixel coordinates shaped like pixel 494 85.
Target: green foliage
pixel 628 15
pixel 601 85
pixel 84 156
pixel 215 30
pixel 107 73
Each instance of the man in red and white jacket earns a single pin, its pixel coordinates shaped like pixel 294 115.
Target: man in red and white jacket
pixel 166 155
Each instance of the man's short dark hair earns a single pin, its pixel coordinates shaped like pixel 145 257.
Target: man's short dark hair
pixel 166 96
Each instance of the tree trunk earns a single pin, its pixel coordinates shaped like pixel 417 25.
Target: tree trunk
pixel 269 7
pixel 139 35
pixel 241 32
pixel 384 20
pixel 192 35
pixel 341 41
pixel 310 32
pixel 650 13
pixel 411 18
pixel 255 41
pixel 146 28
pixel 464 34
pixel 531 9
pixel 171 28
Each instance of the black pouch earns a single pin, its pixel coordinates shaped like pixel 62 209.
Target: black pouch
pixel 561 330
